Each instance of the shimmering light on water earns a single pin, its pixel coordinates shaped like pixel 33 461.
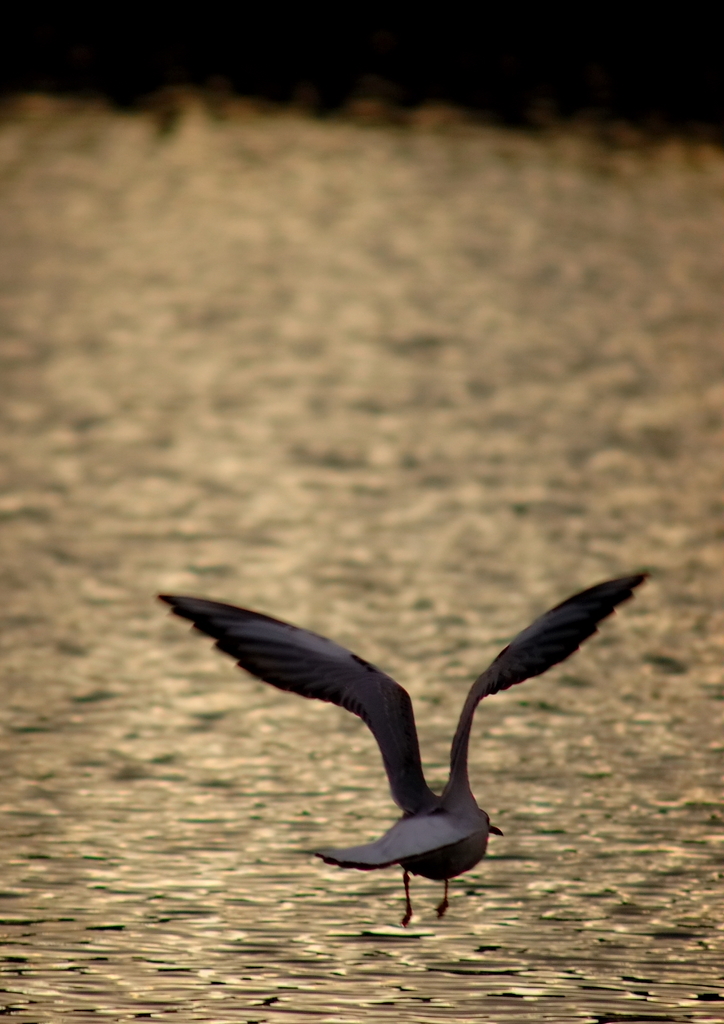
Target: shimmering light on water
pixel 406 390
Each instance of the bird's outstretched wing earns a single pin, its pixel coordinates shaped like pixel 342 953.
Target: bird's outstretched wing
pixel 294 659
pixel 546 642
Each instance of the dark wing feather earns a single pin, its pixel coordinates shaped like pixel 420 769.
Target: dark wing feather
pixel 555 635
pixel 549 640
pixel 302 662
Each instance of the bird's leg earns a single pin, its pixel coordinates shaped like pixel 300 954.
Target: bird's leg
pixel 445 902
pixel 408 905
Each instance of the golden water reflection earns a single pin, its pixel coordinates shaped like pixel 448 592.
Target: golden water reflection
pixel 407 390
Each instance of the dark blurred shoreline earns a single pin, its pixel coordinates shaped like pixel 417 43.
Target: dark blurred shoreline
pixel 521 68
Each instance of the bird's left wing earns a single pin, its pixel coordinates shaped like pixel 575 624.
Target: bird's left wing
pixel 546 642
pixel 302 662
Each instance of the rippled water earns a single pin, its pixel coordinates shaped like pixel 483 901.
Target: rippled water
pixel 408 391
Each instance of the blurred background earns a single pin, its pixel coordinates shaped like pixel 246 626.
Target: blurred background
pixel 403 333
pixel 520 65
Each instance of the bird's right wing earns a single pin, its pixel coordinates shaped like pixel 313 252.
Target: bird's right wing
pixel 295 659
pixel 546 642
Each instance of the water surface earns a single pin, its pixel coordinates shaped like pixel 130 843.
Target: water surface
pixel 407 390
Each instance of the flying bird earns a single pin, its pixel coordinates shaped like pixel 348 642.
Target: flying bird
pixel 438 837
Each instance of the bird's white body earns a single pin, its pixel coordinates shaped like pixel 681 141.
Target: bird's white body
pixel 438 837
pixel 423 843
pixel 450 861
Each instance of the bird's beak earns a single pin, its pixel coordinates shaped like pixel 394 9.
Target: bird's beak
pixel 495 830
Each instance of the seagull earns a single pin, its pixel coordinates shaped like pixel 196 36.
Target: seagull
pixel 438 837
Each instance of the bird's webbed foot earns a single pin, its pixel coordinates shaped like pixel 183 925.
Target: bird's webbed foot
pixel 408 904
pixel 445 902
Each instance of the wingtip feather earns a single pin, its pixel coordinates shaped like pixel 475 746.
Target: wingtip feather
pixel 335 862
